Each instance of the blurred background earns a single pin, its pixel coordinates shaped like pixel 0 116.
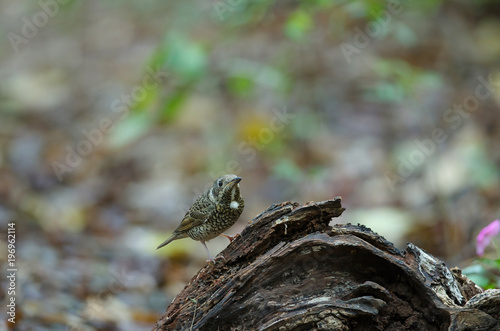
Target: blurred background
pixel 116 115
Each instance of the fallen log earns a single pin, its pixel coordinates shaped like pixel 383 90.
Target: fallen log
pixel 290 270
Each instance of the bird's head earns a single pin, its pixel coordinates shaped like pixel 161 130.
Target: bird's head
pixel 225 185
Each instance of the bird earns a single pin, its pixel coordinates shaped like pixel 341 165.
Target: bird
pixel 215 211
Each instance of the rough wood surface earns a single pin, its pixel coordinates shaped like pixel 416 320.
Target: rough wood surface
pixel 290 270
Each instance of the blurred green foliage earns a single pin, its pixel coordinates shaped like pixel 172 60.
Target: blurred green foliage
pixel 298 24
pixel 231 67
pixel 484 273
pixel 399 80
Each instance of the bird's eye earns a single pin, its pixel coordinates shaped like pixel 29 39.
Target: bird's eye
pixel 220 183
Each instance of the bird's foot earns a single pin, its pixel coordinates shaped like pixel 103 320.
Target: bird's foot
pixel 213 260
pixel 231 238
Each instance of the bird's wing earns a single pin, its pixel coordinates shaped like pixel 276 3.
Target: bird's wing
pixel 196 216
pixel 188 223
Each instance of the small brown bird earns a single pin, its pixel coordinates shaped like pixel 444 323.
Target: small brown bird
pixel 212 213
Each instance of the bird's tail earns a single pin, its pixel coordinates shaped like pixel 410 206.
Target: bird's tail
pixel 175 236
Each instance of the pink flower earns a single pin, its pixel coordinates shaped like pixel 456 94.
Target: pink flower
pixel 485 235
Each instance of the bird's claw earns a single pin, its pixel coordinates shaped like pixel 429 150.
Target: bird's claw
pixel 212 261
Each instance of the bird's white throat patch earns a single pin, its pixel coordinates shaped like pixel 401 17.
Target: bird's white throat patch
pixel 233 191
pixel 234 204
pixel 211 195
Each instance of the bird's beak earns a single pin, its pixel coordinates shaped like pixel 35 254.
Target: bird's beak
pixel 234 181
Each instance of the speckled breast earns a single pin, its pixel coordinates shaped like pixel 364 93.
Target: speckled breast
pixel 218 223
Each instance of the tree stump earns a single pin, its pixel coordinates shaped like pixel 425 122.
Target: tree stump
pixel 290 270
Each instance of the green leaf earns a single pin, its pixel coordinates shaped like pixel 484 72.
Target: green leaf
pixel 385 92
pixel 130 129
pixel 172 106
pixel 479 280
pixel 147 100
pixel 404 34
pixel 490 262
pixel 181 56
pixel 298 25
pixel 473 269
pixel 241 85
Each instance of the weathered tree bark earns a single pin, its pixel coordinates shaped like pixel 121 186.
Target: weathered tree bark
pixel 290 270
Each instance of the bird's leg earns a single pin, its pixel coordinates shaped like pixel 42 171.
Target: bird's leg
pixel 231 238
pixel 209 256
